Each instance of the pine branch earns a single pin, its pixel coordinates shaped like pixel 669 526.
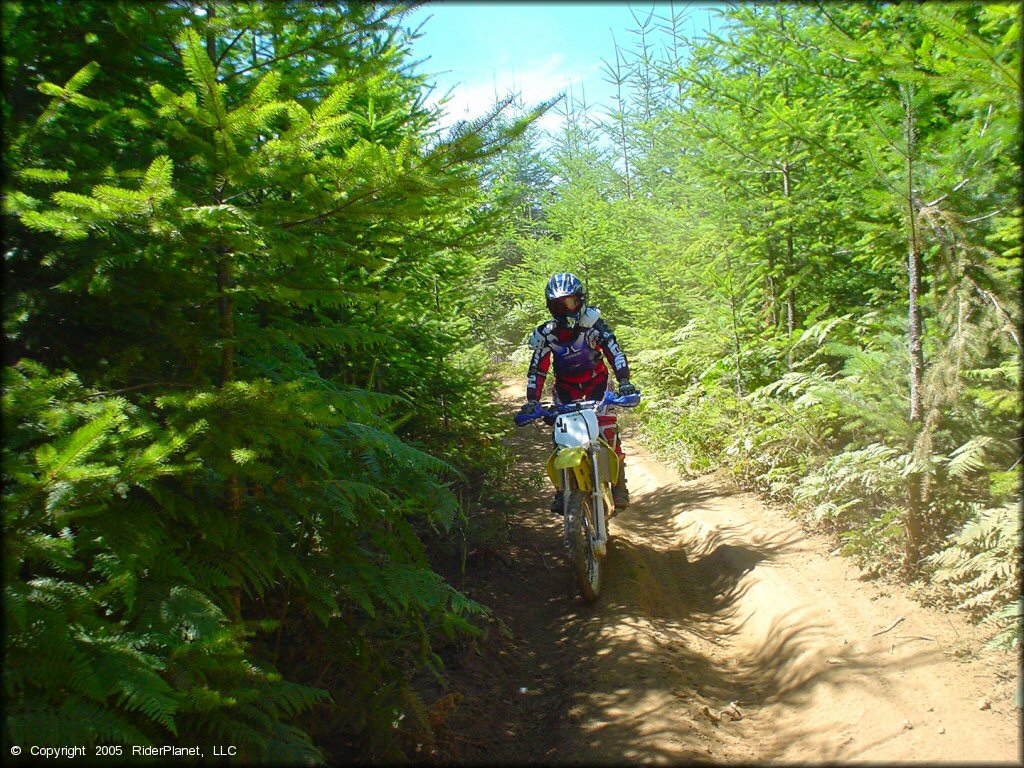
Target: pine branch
pixel 832 21
pixel 288 54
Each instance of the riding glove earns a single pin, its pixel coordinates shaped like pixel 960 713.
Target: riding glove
pixel 530 407
pixel 625 388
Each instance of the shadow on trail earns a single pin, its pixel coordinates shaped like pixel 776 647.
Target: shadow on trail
pixel 665 584
pixel 660 646
pixel 654 513
pixel 628 678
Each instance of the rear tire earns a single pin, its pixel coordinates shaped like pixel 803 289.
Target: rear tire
pixel 586 565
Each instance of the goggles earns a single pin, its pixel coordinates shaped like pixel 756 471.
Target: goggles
pixel 564 306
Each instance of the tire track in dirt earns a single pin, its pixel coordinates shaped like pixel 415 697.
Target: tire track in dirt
pixel 712 599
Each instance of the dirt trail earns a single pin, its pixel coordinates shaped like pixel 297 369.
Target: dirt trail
pixel 713 599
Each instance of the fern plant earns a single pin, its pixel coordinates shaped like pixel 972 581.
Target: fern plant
pixel 980 564
pixel 262 254
pixel 136 652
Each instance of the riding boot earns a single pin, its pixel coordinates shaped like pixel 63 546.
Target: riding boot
pixel 557 503
pixel 620 494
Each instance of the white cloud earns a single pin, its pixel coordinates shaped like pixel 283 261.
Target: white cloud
pixel 535 82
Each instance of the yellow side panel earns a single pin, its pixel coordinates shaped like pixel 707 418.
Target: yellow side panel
pixel 583 473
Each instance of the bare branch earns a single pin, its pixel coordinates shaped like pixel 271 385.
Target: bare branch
pixel 230 45
pixel 986 216
pixel 891 627
pixel 1010 324
pixel 832 21
pixel 960 185
pixel 287 54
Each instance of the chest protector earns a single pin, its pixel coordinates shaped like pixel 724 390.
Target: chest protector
pixel 573 356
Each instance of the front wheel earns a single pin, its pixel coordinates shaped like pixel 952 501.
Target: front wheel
pixel 586 564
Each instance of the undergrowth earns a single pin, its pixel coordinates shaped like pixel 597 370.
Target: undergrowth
pixel 829 441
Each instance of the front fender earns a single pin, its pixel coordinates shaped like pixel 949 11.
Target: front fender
pixel 570 457
pixel 575 459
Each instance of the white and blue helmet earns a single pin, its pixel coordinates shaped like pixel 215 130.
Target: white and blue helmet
pixel 566 298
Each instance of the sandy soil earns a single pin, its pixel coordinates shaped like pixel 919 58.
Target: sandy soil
pixel 724 633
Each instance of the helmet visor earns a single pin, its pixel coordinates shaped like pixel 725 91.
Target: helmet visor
pixel 564 306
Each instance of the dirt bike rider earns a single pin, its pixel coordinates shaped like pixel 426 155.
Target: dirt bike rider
pixel 577 338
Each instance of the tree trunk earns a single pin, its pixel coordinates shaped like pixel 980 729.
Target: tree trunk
pixel 737 344
pixel 787 188
pixel 915 484
pixel 623 137
pixel 790 258
pixel 226 309
pixel 738 350
pixel 770 286
pixel 226 323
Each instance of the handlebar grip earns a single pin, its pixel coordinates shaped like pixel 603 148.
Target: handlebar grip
pixel 522 419
pixel 623 401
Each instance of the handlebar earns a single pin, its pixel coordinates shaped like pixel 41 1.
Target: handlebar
pixel 609 400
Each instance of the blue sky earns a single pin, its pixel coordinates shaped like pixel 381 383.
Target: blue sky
pixel 535 49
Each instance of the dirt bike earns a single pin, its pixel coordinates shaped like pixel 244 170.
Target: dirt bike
pixel 582 454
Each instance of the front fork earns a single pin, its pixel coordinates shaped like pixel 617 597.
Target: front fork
pixel 598 504
pixel 600 512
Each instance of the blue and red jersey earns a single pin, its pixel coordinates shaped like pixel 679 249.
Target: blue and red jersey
pixel 579 356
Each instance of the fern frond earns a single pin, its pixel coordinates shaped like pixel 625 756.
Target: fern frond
pixel 290 745
pixel 290 699
pixel 399 451
pixel 58 594
pixel 969 457
pixel 131 676
pixel 981 562
pixel 193 614
pixel 75 721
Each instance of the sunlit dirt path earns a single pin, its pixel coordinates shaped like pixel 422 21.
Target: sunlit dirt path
pixel 724 633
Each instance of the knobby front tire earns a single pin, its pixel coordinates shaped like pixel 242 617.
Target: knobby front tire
pixel 586 565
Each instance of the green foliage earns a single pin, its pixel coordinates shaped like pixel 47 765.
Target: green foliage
pixel 745 213
pixel 236 229
pixel 981 563
pixel 136 649
pixel 695 430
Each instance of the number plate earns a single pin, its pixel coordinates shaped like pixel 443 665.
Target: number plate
pixel 578 428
